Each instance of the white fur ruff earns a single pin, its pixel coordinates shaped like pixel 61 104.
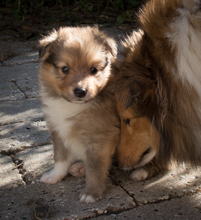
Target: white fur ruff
pixel 187 39
pixel 58 112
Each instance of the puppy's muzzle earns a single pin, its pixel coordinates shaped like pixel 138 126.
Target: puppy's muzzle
pixel 80 92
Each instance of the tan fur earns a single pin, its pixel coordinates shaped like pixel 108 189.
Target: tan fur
pixel 137 137
pixel 83 127
pixel 159 83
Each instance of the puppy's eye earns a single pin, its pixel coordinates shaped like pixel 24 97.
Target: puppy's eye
pixel 65 69
pixel 94 70
pixel 127 121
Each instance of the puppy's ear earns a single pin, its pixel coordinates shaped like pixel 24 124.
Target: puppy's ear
pixel 128 96
pixel 111 46
pixel 109 43
pixel 45 44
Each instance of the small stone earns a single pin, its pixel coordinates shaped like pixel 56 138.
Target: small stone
pixel 164 197
pixel 100 212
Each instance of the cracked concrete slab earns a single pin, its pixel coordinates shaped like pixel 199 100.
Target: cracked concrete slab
pixel 60 201
pixel 19 72
pixel 35 161
pixel 176 183
pixel 29 86
pixel 22 84
pixel 187 208
pixel 26 153
pixel 9 91
pixel 18 136
pixel 20 111
pixel 30 57
pixel 9 175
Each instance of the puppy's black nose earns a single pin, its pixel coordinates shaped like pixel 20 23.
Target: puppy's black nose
pixel 80 92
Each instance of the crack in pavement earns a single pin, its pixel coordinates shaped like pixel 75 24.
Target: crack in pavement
pixel 15 83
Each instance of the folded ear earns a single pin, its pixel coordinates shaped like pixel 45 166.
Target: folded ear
pixel 135 84
pixel 45 44
pixel 109 43
pixel 125 89
pixel 111 46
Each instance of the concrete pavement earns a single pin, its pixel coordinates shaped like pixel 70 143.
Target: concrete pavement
pixel 26 152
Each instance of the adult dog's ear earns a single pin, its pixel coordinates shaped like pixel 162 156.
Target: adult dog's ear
pixel 131 83
pixel 45 44
pixel 125 92
pixel 137 84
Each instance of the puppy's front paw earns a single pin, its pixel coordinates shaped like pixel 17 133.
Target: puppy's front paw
pixel 139 174
pixel 51 177
pixel 56 174
pixel 90 196
pixel 87 198
pixel 77 169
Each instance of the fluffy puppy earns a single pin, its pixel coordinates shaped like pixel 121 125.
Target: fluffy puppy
pixel 79 106
pixel 159 88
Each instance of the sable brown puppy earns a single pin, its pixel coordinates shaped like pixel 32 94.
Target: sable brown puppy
pixel 160 83
pixel 80 109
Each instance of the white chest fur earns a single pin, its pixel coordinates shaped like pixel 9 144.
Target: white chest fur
pixel 187 38
pixel 62 109
pixel 58 111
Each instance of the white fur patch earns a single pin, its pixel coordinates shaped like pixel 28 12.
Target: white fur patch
pixel 58 111
pixel 187 39
pixel 146 159
pixel 56 174
pixel 139 174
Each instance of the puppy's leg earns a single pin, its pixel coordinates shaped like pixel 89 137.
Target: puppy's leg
pixel 97 167
pixel 62 160
pixel 96 173
pixel 77 169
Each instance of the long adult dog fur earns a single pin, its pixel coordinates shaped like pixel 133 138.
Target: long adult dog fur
pixel 160 77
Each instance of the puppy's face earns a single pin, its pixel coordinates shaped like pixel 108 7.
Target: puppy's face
pixel 76 63
pixel 138 139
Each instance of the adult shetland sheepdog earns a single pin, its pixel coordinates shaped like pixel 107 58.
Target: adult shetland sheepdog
pixel 159 88
pixel 79 104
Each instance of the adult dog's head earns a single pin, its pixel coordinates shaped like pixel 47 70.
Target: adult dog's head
pixel 159 86
pixel 136 101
